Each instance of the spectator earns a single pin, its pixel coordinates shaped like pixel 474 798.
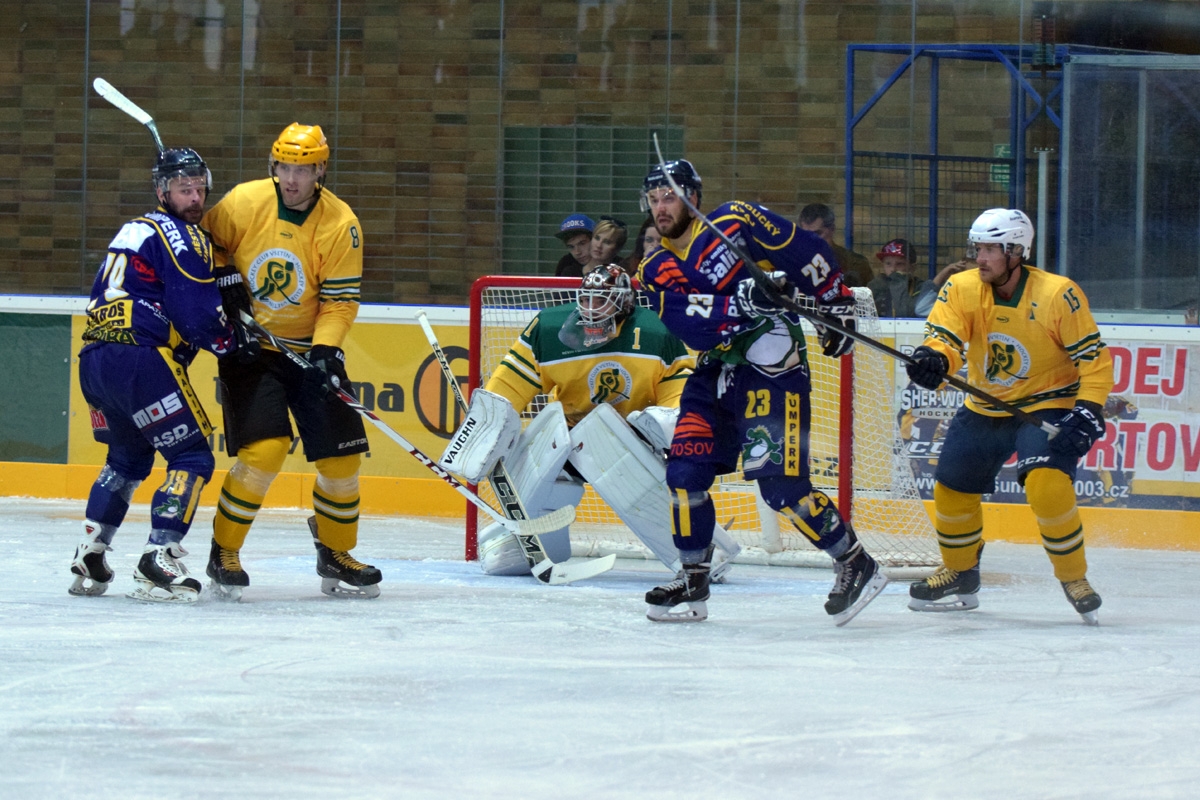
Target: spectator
pixel 648 240
pixel 576 233
pixel 819 218
pixel 896 289
pixel 608 237
pixel 929 289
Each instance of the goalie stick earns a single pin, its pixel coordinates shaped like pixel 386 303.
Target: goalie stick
pixel 110 93
pixel 546 571
pixel 506 491
pixel 771 290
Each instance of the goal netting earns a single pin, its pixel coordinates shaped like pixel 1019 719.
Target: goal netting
pixel 856 452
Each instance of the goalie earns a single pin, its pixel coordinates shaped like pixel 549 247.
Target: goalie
pixel 602 360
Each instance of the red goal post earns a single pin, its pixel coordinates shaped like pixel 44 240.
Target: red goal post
pixel 855 450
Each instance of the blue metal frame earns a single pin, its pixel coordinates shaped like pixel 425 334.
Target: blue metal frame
pixel 1013 58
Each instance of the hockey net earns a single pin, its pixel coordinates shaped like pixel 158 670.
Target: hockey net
pixel 856 454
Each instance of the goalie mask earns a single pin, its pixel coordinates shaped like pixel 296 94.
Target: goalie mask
pixel 605 300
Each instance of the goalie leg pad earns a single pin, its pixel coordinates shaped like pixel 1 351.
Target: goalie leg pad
pixel 486 435
pixel 500 553
pixel 628 476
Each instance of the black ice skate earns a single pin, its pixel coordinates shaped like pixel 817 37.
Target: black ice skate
pixel 225 569
pixel 946 590
pixel 689 589
pixel 1084 598
pixel 857 582
pixel 92 574
pixel 162 578
pixel 342 575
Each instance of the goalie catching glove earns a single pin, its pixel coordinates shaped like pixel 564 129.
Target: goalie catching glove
pixel 836 344
pixel 752 300
pixel 487 434
pixel 1079 429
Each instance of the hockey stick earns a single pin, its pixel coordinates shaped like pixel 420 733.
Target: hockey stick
pixel 506 491
pixel 772 291
pixel 110 93
pixel 547 571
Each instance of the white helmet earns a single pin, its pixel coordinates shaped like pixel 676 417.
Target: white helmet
pixel 1006 226
pixel 605 299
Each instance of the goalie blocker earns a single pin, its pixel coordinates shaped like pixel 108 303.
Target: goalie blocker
pixel 625 468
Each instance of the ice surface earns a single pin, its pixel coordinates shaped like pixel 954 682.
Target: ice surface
pixel 455 684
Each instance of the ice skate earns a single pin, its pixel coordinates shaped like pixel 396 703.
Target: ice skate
pixel 946 590
pixel 92 574
pixel 856 584
pixel 342 575
pixel 683 599
pixel 1084 598
pixel 162 578
pixel 225 569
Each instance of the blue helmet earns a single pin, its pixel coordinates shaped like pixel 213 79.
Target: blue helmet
pixel 680 170
pixel 177 162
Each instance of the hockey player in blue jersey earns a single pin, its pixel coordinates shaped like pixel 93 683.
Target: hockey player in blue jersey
pixel 153 305
pixel 749 394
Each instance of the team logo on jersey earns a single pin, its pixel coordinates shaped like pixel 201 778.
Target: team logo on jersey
pixel 1007 360
pixel 609 382
pixel 760 449
pixel 278 278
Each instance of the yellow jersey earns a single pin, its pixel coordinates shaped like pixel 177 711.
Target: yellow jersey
pixel 644 365
pixel 1039 349
pixel 303 268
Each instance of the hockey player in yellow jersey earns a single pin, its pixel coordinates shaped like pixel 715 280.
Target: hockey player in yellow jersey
pixel 292 256
pixel 1027 337
pixel 609 368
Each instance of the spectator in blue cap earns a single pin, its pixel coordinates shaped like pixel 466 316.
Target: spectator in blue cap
pixel 576 233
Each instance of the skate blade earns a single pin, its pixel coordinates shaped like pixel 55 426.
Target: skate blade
pixel 869 593
pixel 1091 617
pixel 951 602
pixel 180 595
pixel 335 588
pixel 85 587
pixel 685 612
pixel 229 594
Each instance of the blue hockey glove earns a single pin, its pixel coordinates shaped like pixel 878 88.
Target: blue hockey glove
pixel 330 372
pixel 1079 429
pixel 752 301
pixel 836 344
pixel 929 367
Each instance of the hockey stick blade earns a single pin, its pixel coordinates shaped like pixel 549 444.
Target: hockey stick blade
pixel 566 514
pixel 112 95
pixel 540 565
pixel 772 291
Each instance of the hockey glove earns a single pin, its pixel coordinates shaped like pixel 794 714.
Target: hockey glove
pixel 929 367
pixel 752 301
pixel 235 300
pixel 836 344
pixel 329 374
pixel 1079 429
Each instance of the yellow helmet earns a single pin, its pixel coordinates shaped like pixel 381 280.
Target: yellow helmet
pixel 300 144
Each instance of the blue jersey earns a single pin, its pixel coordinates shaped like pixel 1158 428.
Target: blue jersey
pixel 692 288
pixel 156 289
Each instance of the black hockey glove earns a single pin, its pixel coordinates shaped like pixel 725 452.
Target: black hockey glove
pixel 836 344
pixel 929 367
pixel 329 374
pixel 234 300
pixel 1079 429
pixel 752 301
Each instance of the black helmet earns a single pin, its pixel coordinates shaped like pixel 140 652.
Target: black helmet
pixel 177 162
pixel 681 170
